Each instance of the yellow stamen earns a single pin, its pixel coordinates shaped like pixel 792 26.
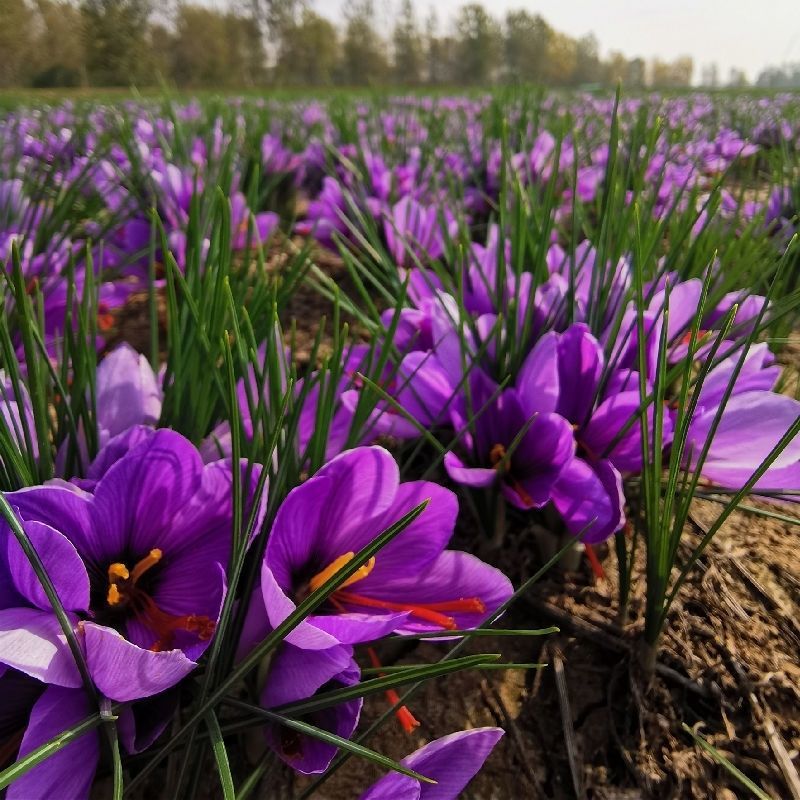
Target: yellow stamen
pixel 150 560
pixel 118 572
pixel 338 564
pixel 113 595
pixel 497 458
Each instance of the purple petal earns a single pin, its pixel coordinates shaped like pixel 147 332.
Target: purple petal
pixel 477 477
pixel 62 564
pixel 137 500
pixel 122 671
pixel 67 510
pixel 295 675
pixel 758 419
pixel 453 576
pixel 538 382
pixel 589 498
pixel 580 364
pixel 128 393
pixel 68 773
pixel 32 642
pixel 451 761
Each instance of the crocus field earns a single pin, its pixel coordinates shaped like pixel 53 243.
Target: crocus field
pixel 319 418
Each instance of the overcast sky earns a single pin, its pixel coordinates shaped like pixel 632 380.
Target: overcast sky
pixel 748 34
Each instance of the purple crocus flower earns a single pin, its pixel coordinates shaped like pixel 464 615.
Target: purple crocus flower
pixel 413 584
pixel 451 761
pixel 414 232
pixel 521 449
pixel 562 375
pixel 140 565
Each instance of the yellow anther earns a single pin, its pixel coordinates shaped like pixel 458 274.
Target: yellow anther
pixel 113 595
pixel 150 560
pixel 337 564
pixel 118 572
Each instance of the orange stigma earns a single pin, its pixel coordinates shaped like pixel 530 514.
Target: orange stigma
pixel 435 613
pixel 123 592
pixel 406 719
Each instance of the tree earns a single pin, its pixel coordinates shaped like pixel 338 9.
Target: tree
pixel 561 59
pixel 363 52
pixel 309 52
pixel 525 46
pixel 115 40
pixel 59 44
pixel 408 55
pixel 478 43
pixel 200 49
pixel 16 42
pixel 587 60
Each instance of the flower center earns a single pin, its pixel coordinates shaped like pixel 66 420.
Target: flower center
pixel 435 613
pixel 125 593
pixel 498 458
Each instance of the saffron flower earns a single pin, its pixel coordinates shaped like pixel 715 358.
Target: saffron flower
pixel 521 449
pixel 140 564
pixel 413 584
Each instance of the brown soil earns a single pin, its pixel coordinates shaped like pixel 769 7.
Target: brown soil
pixel 728 668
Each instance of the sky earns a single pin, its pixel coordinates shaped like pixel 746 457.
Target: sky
pixel 745 34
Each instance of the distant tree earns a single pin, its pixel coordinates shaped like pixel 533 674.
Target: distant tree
pixel 363 51
pixel 408 48
pixel 710 76
pixel 587 61
pixel 637 73
pixel 478 44
pixel 737 78
pixel 671 74
pixel 200 47
pixel 309 52
pixel 59 44
pixel 115 40
pixel 785 77
pixel 526 39
pixel 562 58
pixel 16 42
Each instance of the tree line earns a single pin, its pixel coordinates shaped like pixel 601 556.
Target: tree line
pixel 254 43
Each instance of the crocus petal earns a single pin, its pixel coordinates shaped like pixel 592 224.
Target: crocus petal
pixel 451 761
pixel 589 498
pixel 453 576
pixel 323 515
pixel 138 498
pixel 423 540
pixel 68 773
pixel 67 510
pixel 477 477
pixel 537 383
pixel 122 671
pixel 580 364
pixel 294 676
pixel 33 642
pixel 127 391
pixel 752 423
pixel 62 564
